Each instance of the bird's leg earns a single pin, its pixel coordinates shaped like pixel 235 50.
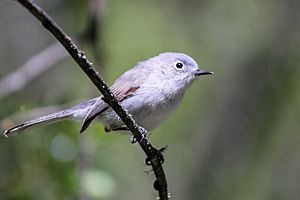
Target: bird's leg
pixel 122 128
pixel 132 138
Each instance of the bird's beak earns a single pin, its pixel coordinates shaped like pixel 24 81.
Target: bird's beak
pixel 200 72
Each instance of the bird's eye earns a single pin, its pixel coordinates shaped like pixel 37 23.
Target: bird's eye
pixel 179 65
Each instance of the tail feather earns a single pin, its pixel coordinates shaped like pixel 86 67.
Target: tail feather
pixel 98 107
pixel 78 111
pixel 41 120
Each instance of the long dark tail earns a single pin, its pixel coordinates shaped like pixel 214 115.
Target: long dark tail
pixel 76 112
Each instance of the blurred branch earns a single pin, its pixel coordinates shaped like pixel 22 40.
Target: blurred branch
pixel 38 64
pixel 33 68
pixel 154 156
pixel 93 32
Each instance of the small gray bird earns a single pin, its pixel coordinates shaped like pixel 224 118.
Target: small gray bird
pixel 150 92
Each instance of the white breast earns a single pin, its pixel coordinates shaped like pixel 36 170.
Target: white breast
pixel 149 106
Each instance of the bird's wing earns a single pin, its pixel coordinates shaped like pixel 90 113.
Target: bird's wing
pixel 124 87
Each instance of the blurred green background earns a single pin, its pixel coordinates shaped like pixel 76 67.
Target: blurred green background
pixel 236 135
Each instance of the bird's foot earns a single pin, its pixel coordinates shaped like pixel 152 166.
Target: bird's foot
pixel 143 132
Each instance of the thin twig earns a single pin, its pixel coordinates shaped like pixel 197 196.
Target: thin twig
pixel 32 69
pixel 94 29
pixel 154 156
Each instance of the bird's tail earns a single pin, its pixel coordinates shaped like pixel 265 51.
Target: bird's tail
pixel 76 112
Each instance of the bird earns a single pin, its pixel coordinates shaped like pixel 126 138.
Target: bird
pixel 150 92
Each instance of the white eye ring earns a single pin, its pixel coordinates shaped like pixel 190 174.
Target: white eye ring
pixel 179 65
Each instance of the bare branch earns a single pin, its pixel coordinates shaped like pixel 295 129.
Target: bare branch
pixel 96 8
pixel 33 68
pixel 93 33
pixel 154 156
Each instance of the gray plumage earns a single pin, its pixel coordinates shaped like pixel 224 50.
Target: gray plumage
pixel 150 92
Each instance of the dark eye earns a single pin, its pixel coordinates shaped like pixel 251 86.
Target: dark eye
pixel 179 65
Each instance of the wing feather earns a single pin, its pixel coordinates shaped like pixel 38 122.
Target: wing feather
pixel 125 86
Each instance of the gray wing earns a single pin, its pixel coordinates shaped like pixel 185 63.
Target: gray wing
pixel 123 87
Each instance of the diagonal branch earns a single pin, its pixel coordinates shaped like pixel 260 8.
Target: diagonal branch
pixel 154 156
pixel 32 69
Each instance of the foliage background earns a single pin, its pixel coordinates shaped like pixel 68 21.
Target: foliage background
pixel 236 135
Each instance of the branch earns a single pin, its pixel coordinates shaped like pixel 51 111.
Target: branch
pixel 33 68
pixel 154 156
pixel 93 32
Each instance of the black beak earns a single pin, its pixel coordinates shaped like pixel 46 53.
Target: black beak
pixel 200 72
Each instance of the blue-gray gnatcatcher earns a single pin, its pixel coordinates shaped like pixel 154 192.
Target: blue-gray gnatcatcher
pixel 150 92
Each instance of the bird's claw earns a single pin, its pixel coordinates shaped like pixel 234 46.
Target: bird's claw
pixel 143 132
pixel 133 139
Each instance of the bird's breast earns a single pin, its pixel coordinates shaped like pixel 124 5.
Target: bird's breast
pixel 148 106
